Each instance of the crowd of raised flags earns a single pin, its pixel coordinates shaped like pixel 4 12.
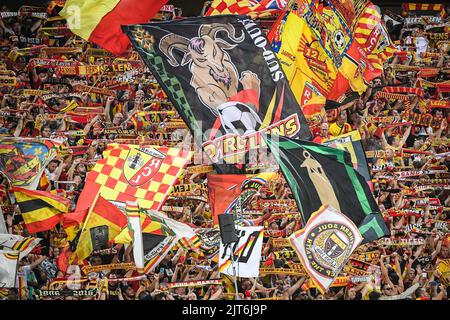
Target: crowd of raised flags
pixel 320 126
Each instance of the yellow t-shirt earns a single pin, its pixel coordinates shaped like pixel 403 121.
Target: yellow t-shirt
pixel 336 130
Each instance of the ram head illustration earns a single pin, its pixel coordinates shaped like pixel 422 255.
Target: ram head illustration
pixel 214 76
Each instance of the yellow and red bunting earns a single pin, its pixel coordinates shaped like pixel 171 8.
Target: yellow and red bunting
pixel 100 21
pixel 40 209
pixel 408 6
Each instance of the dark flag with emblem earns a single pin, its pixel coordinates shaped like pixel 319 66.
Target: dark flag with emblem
pixel 224 81
pixel 320 175
pixel 40 210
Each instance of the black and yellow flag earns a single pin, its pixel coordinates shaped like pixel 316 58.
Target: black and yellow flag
pixel 40 210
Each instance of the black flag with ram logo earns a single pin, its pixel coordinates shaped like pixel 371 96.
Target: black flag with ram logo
pixel 224 80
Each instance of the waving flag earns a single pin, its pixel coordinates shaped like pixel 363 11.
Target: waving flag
pixel 374 40
pixel 133 173
pixel 19 243
pixel 224 81
pixel 351 142
pixel 157 237
pixel 9 260
pixel 308 69
pixel 103 223
pixel 72 223
pixel 229 193
pixel 325 245
pixel 325 52
pixel 40 210
pixel 23 160
pixel 253 8
pixel 320 175
pixel 243 256
pixel 99 21
pixel 134 224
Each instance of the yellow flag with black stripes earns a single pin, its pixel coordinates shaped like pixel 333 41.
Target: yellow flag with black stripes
pixel 40 210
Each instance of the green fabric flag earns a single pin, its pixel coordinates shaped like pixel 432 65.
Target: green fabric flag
pixel 320 175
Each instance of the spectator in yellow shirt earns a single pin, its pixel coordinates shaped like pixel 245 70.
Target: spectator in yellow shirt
pixel 340 126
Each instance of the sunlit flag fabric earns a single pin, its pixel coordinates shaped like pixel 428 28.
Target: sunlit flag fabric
pixel 242 258
pixel 23 160
pixel 103 223
pixel 325 244
pixel 9 260
pixel 40 210
pixel 99 21
pixel 157 239
pixel 315 40
pixel 22 244
pixel 156 248
pixel 320 175
pixel 133 173
pixel 135 227
pixel 224 80
pixel 253 8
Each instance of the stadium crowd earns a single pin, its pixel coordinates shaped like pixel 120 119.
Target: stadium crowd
pixel 415 206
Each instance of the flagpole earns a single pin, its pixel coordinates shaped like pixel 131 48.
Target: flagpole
pixel 89 213
pixel 234 273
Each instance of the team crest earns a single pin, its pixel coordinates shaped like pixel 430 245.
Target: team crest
pixel 330 247
pixel 141 165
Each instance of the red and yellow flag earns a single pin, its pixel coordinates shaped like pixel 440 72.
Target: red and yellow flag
pixel 133 173
pixel 40 210
pixel 103 223
pixel 100 21
pixel 253 8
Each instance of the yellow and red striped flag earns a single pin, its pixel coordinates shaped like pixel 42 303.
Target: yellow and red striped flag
pixel 9 261
pixel 253 8
pixel 40 210
pixel 103 223
pixel 100 21
pixel 133 173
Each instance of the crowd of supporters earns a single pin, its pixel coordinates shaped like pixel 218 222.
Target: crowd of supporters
pixel 417 267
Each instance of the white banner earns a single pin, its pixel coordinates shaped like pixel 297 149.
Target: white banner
pixel 247 253
pixel 325 245
pixel 9 259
